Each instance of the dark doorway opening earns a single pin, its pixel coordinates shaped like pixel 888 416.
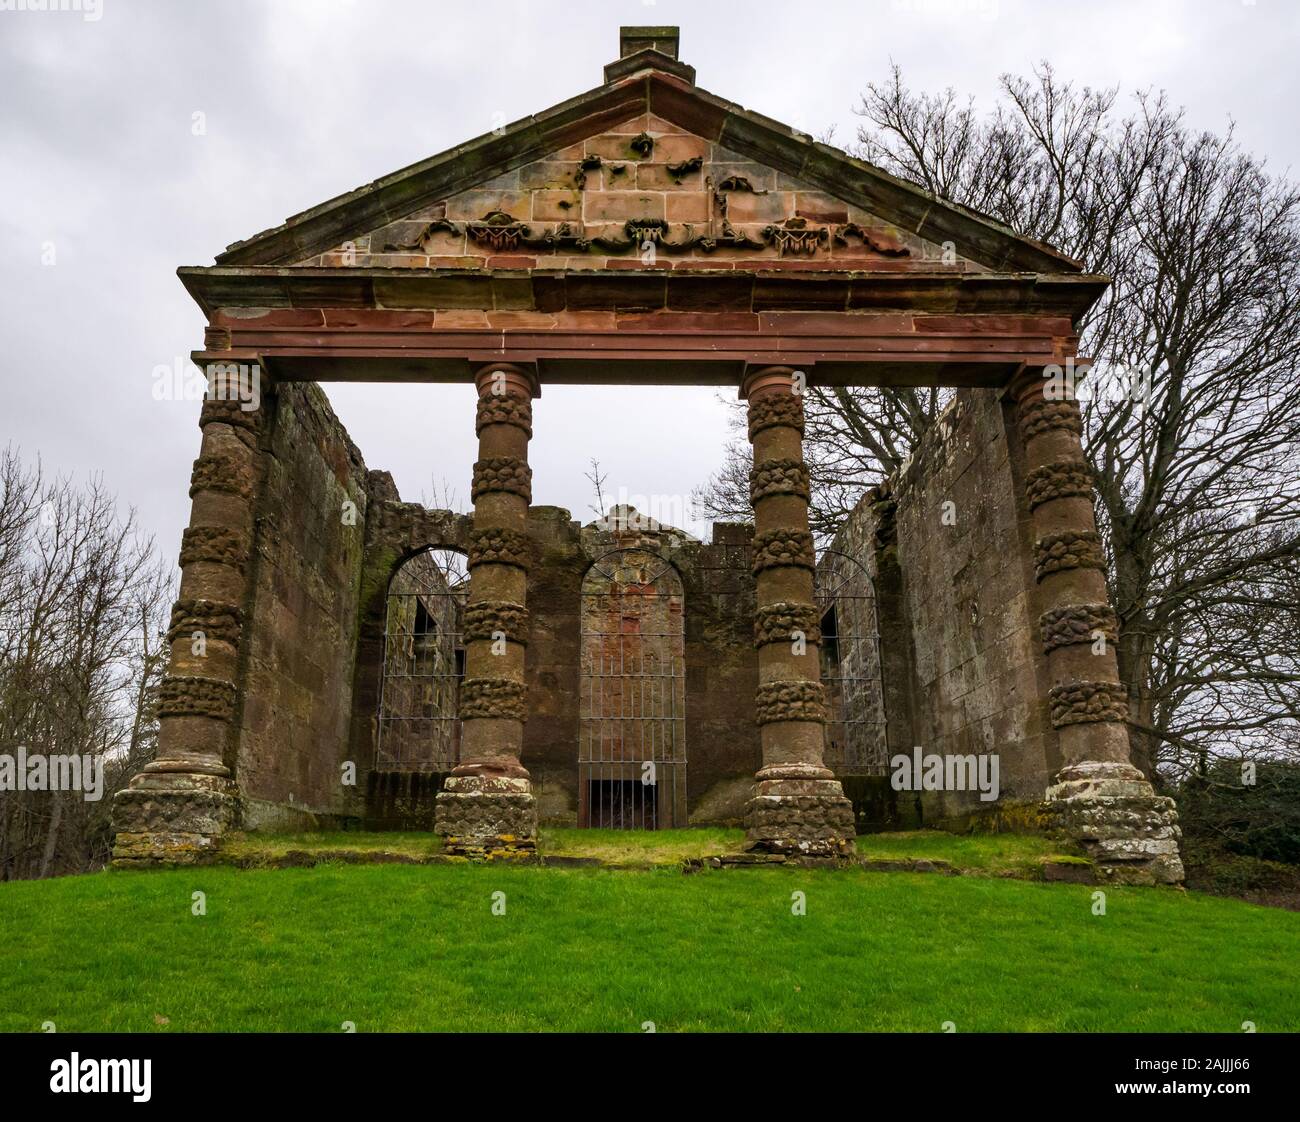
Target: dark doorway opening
pixel 622 804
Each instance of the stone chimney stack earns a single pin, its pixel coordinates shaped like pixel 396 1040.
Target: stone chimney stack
pixel 648 48
pixel 661 39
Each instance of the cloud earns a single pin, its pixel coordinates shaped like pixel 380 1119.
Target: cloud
pixel 304 100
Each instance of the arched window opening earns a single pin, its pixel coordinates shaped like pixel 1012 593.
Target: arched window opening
pixel 850 667
pixel 632 744
pixel 424 662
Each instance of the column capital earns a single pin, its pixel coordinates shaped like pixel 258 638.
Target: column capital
pixel 760 380
pixel 515 379
pixel 1063 375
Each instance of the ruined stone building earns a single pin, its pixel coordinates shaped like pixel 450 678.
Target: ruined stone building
pixel 369 662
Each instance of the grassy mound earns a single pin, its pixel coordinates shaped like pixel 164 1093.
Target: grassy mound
pixel 398 947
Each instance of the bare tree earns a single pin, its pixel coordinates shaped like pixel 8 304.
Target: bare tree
pixel 82 604
pixel 1196 473
pixel 597 480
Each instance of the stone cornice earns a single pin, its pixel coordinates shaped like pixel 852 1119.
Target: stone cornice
pixel 936 290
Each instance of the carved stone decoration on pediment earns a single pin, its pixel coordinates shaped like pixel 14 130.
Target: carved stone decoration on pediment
pixel 680 171
pixel 874 240
pixel 642 230
pixel 730 238
pixel 416 244
pixel 560 236
pixel 643 144
pixel 738 183
pixel 636 232
pixel 589 163
pixel 728 184
pixel 794 235
pixel 498 231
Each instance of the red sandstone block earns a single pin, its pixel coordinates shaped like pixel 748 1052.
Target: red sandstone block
pixel 710 294
pixel 725 164
pixel 607 292
pixel 635 263
pixel 775 206
pixel 392 261
pixel 430 212
pixel 772 292
pixel 994 325
pixel 559 175
pixel 675 149
pixel 586 321
pixel 270 317
pixel 518 320
pixel 864 261
pixel 886 238
pixel 631 126
pixel 468 317
pixel 883 265
pixel 511 262
pixel 656 125
pixel 688 321
pixel 686 206
pixel 1065 347
pixel 789 263
pixel 557 206
pixel 377 319
pixel 610 147
pixel 657 177
pixel 372 260
pixel 818 207
pixel 622 205
pixel 463 262
pixel 614 176
pixel 474 205
pixel 823 323
pixel 443 243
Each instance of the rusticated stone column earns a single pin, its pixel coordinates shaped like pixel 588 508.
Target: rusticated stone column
pixel 486 807
pixel 798 806
pixel 177 808
pixel 1098 796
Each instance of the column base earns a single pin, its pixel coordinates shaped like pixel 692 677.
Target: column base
pixel 487 816
pixel 172 818
pixel 1130 833
pixel 799 810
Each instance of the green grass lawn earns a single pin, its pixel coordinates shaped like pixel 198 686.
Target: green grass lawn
pixel 397 947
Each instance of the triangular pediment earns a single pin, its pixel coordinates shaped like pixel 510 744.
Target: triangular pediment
pixel 644 168
pixel 641 192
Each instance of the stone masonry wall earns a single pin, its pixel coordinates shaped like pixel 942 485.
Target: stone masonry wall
pixel 960 652
pixel 297 679
pixel 721 671
pixel 721 738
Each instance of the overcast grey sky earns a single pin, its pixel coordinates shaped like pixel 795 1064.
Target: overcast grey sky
pixel 106 185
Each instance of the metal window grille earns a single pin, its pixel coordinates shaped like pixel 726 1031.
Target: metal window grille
pixel 850 667
pixel 632 744
pixel 424 662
